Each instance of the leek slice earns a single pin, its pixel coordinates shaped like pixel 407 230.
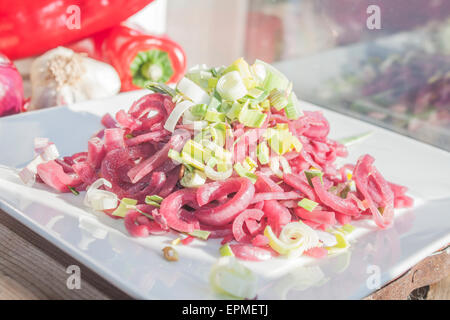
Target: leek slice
pixel 231 87
pixel 295 238
pixel 307 204
pixel 274 79
pixel 193 179
pixel 201 234
pixel 176 114
pixel 241 171
pixel 199 110
pixel 348 141
pixel 214 116
pixel 251 118
pixel 100 199
pixel 263 153
pixel 230 277
pixel 125 205
pixel 277 99
pixel 225 250
pixel 193 91
pixel 310 174
pixel 292 109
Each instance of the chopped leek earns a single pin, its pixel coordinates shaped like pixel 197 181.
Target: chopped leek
pixel 225 250
pixel 100 199
pixel 241 171
pixel 175 156
pixel 214 116
pixel 310 174
pixel 251 118
pixel 199 110
pixel 292 109
pixel 273 79
pixel 277 99
pixel 193 91
pixel 348 141
pixel 347 228
pixel 201 234
pixel 235 110
pixel 263 153
pixel 193 179
pixel 342 243
pixel 307 204
pixel 125 205
pixel 176 114
pixel 228 276
pixel 231 87
pixel 295 238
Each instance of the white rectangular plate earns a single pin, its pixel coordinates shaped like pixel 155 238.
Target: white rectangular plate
pixel 136 265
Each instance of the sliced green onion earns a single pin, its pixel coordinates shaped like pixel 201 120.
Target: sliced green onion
pixel 307 204
pixel 201 234
pixel 310 174
pixel 231 87
pixel 263 153
pixel 125 205
pixel 225 250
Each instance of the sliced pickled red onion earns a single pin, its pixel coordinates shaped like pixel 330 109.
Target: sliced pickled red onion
pixel 47 151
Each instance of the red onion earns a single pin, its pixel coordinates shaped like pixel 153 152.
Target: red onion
pixel 11 88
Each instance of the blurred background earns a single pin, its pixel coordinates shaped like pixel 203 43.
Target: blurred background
pixel 385 61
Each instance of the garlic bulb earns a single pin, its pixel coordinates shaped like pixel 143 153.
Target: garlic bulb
pixel 61 77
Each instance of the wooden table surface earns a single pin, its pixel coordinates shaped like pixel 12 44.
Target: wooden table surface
pixel 33 268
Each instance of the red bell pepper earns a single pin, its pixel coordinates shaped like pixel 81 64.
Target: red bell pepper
pixel 32 27
pixel 136 56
